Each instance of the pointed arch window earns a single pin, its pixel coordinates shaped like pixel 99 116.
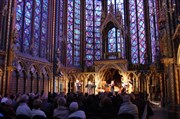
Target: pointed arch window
pixel 153 29
pixel 32 28
pixel 60 41
pixel 93 17
pixel 137 31
pixel 73 33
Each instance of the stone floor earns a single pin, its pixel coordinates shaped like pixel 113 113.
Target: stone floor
pixel 163 113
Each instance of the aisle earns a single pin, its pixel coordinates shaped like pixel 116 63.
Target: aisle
pixel 159 113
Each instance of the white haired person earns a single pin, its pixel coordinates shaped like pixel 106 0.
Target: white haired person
pixel 61 112
pixel 23 108
pixel 128 107
pixel 75 112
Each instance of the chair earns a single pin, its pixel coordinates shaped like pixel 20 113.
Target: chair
pixel 126 116
pixel 39 117
pixel 21 116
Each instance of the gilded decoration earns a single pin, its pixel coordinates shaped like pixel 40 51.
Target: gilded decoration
pixel 167 61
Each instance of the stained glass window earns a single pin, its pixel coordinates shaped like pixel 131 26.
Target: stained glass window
pixel 27 26
pixel 153 28
pixel 77 33
pixel 32 28
pixel 59 29
pixel 60 36
pixel 117 5
pixel 93 17
pixel 73 33
pixel 19 21
pixel 43 43
pixel 137 29
pixel 37 21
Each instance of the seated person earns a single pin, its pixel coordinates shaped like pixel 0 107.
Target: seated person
pixel 23 108
pixel 128 107
pixel 74 112
pixel 61 112
pixel 36 109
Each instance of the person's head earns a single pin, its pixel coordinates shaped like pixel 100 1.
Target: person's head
pixel 106 102
pixel 126 98
pixel 61 101
pixel 6 101
pixel 24 98
pixel 37 104
pixel 73 106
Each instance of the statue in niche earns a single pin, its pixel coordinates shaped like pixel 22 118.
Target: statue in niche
pixel 14 48
pixel 162 33
pixel 58 63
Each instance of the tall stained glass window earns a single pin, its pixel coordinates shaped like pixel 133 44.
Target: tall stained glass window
pixel 32 28
pixel 137 30
pixel 73 33
pixel 27 26
pixel 93 17
pixel 43 42
pixel 59 45
pixel 153 28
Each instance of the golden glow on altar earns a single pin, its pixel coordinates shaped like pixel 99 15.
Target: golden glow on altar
pixel 126 84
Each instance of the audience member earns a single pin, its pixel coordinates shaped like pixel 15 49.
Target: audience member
pixel 75 112
pixel 23 108
pixel 128 107
pixel 61 112
pixel 36 109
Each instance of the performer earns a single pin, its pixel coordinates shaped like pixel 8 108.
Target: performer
pixel 78 85
pixel 89 87
pixel 112 86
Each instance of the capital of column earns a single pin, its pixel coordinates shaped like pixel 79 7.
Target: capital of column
pixel 178 66
pixel 167 61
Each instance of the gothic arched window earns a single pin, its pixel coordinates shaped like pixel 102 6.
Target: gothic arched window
pixel 153 29
pixel 60 38
pixel 73 33
pixel 137 31
pixel 32 28
pixel 93 17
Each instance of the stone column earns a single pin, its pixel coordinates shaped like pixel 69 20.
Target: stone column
pixel 169 73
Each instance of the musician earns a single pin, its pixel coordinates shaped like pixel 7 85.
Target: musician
pixel 112 86
pixel 78 85
pixel 89 87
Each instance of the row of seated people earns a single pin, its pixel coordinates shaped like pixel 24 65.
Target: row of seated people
pixel 72 106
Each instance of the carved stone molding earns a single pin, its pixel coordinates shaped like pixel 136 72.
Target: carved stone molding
pixel 110 18
pixel 121 61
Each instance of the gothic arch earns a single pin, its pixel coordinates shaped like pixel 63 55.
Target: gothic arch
pixel 114 66
pixel 37 69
